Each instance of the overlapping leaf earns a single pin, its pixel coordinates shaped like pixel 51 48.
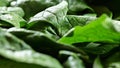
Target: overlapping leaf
pixel 16 50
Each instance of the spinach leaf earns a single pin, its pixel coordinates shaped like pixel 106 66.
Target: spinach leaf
pixel 4 2
pixel 97 63
pixel 56 18
pixel 31 7
pixel 80 20
pixel 6 63
pixel 73 61
pixel 113 61
pixel 89 33
pixel 59 34
pixel 78 7
pixel 75 7
pixel 11 19
pixel 97 48
pixel 16 10
pixel 42 42
pixel 11 16
pixel 16 50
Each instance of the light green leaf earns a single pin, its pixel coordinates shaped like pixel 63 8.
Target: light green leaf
pixel 99 30
pixel 73 61
pixel 15 10
pixel 4 2
pixel 116 25
pixel 97 63
pixel 12 19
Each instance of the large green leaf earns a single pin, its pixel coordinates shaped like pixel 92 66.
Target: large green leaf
pixel 99 30
pixel 16 50
pixel 55 17
pixel 42 42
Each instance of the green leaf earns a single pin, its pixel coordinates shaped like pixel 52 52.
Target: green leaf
pixel 113 61
pixel 11 16
pixel 12 19
pixel 15 10
pixel 4 2
pixel 73 61
pixel 98 49
pixel 42 42
pixel 116 25
pixel 16 50
pixel 31 7
pixel 75 7
pixel 48 33
pixel 6 63
pixel 97 63
pixel 78 7
pixel 54 16
pixel 80 20
pixel 99 30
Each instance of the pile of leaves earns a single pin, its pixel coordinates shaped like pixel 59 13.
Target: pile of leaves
pixel 59 34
